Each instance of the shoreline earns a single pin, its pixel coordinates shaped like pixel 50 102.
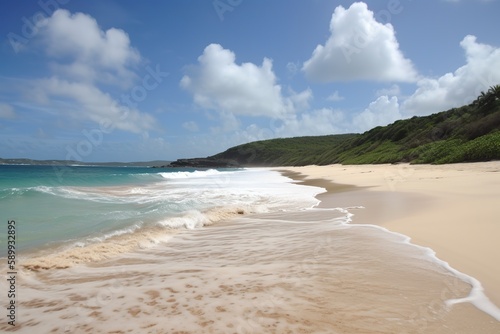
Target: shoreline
pixel 307 269
pixel 434 206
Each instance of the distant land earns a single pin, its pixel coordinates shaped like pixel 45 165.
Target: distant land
pixel 470 133
pixel 80 163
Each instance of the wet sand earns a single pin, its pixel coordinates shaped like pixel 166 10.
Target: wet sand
pixel 453 209
pixel 306 272
pixel 317 270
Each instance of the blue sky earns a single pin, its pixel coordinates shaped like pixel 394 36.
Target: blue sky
pixel 135 81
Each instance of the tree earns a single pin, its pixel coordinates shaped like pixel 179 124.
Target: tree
pixel 495 91
pixel 492 95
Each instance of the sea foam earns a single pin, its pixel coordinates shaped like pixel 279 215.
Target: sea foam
pixel 125 217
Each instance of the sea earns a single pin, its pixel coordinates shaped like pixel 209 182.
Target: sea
pixel 157 250
pixel 74 207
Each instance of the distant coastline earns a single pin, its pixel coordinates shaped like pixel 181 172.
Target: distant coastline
pixel 81 163
pixel 470 133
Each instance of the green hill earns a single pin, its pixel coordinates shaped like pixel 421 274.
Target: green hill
pixel 466 134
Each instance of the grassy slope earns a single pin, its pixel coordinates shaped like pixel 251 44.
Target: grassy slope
pixel 466 134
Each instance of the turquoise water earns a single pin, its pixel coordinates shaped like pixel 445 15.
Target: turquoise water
pixel 81 205
pixel 50 207
pixel 90 214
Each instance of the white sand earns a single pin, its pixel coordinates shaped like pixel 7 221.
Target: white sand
pixel 298 272
pixel 295 272
pixel 455 209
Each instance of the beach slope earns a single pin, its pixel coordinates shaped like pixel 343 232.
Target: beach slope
pixel 453 209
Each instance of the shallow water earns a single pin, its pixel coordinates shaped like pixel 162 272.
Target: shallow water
pixel 87 206
pixel 270 273
pixel 289 269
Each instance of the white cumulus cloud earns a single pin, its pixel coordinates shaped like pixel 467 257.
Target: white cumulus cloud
pixel 359 48
pixel 95 105
pixel 82 58
pixel 335 97
pixel 382 111
pixel 86 51
pixel 317 122
pixel 481 71
pixel 393 90
pixel 217 82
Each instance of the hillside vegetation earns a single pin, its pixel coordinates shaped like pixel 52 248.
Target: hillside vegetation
pixel 466 134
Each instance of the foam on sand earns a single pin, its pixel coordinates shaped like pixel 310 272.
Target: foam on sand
pixel 307 271
pixel 126 240
pixel 451 208
pixel 289 267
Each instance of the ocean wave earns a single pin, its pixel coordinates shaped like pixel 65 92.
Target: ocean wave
pixel 139 236
pixel 196 199
pixel 4 193
pixel 27 191
pixel 193 174
pixel 105 195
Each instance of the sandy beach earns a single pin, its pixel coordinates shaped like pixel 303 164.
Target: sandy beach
pixel 333 268
pixel 453 209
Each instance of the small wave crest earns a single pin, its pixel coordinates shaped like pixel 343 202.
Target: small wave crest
pixel 128 240
pixel 15 192
pixel 110 194
pixel 47 190
pixel 193 174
